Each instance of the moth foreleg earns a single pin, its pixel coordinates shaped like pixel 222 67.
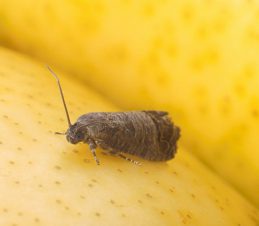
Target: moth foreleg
pixel 92 147
pixel 61 133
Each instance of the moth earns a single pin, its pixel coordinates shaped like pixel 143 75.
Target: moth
pixel 150 135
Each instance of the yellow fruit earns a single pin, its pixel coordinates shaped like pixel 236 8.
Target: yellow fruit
pixel 197 59
pixel 46 181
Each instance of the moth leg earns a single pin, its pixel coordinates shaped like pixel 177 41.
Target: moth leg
pixel 92 147
pixel 61 133
pixel 128 159
pixel 115 153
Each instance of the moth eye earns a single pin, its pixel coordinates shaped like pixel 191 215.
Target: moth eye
pixel 80 136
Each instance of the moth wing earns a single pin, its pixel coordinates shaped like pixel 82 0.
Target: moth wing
pixel 167 132
pixel 157 113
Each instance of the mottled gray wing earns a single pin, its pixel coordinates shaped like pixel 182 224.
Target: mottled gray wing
pixel 167 134
pixel 147 134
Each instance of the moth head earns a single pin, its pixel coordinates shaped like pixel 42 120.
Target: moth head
pixel 75 134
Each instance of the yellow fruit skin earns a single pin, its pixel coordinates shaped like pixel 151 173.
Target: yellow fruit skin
pixel 197 59
pixel 46 181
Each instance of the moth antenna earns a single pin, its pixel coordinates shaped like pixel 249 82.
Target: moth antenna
pixel 61 93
